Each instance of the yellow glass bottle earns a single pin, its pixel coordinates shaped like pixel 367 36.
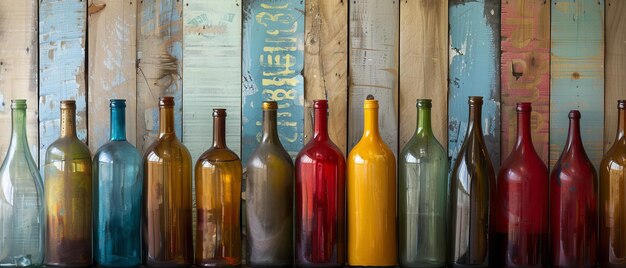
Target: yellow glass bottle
pixel 371 183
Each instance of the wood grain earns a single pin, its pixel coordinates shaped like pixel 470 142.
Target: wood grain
pixel 159 66
pixel 18 68
pixel 212 64
pixel 112 54
pixel 272 61
pixel 525 71
pixel 374 48
pixel 326 66
pixel 474 71
pixel 62 43
pixel 577 74
pixel 615 76
pixel 423 65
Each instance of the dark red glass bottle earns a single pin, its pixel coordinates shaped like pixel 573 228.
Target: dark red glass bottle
pixel 320 198
pixel 520 211
pixel 573 204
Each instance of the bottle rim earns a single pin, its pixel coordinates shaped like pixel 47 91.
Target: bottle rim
pixel 574 114
pixel 621 104
pixel 425 103
pixel 166 101
pixel 270 105
pixel 18 104
pixel 219 112
pixel 524 107
pixel 68 104
pixel 320 104
pixel 475 100
pixel 370 102
pixel 117 103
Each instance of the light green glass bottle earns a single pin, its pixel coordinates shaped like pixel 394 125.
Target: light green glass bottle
pixel 422 192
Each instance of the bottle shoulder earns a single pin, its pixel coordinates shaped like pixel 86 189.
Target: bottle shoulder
pixel 371 148
pixel 615 156
pixel 166 148
pixel 523 163
pixel 422 147
pixel 320 150
pixel 218 155
pixel 117 150
pixel 67 148
pixel 269 154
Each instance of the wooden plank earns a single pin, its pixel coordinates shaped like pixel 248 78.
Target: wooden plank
pixel 326 66
pixel 112 55
pixel 374 46
pixel 474 71
pixel 615 78
pixel 62 38
pixel 525 71
pixel 212 64
pixel 273 59
pixel 18 68
pixel 423 65
pixel 159 65
pixel 577 74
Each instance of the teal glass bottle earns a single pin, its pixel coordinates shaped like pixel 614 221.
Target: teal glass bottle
pixel 118 185
pixel 21 199
pixel 422 193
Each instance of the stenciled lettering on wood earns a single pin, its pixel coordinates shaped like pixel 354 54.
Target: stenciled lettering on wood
pixel 273 59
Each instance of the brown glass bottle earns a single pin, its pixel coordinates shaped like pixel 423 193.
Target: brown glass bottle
pixel 167 223
pixel 613 198
pixel 218 197
pixel 472 186
pixel 68 196
pixel 269 198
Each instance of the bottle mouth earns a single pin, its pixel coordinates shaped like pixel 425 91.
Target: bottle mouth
pixel 574 114
pixel 425 103
pixel 68 104
pixel 117 103
pixel 621 104
pixel 166 101
pixel 524 107
pixel 320 104
pixel 370 102
pixel 270 105
pixel 475 100
pixel 18 104
pixel 221 112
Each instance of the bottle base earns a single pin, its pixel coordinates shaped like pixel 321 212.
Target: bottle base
pixel 456 265
pixel 51 264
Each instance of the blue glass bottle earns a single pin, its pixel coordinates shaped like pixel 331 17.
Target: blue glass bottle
pixel 117 197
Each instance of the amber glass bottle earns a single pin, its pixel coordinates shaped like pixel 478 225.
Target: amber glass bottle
pixel 371 197
pixel 573 204
pixel 68 195
pixel 613 198
pixel 320 198
pixel 269 198
pixel 472 186
pixel 218 197
pixel 167 223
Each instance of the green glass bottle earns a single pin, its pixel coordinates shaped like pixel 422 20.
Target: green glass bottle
pixel 422 193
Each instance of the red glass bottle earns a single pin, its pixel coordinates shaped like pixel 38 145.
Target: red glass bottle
pixel 320 198
pixel 573 207
pixel 520 213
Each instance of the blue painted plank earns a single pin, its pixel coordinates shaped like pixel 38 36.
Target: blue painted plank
pixel 577 74
pixel 62 33
pixel 474 71
pixel 273 59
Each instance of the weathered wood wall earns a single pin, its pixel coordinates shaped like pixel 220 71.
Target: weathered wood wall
pixel 615 72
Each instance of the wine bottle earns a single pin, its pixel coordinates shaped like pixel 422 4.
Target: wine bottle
pixel 520 214
pixel 68 196
pixel 320 198
pixel 371 197
pixel 573 212
pixel 218 198
pixel 117 171
pixel 613 198
pixel 21 199
pixel 422 195
pixel 167 219
pixel 269 198
pixel 472 186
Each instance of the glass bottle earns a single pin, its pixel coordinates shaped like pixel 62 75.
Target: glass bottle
pixel 68 196
pixel 269 198
pixel 167 220
pixel 320 198
pixel 117 197
pixel 472 185
pixel 613 198
pixel 520 214
pixel 422 195
pixel 371 196
pixel 573 212
pixel 21 199
pixel 218 198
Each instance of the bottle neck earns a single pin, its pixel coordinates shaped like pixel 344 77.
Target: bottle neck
pixel 573 141
pixel 370 123
pixel 524 137
pixel 18 128
pixel 166 120
pixel 475 118
pixel 219 132
pixel 321 124
pixel 423 121
pixel 68 123
pixel 621 124
pixel 118 124
pixel 270 132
